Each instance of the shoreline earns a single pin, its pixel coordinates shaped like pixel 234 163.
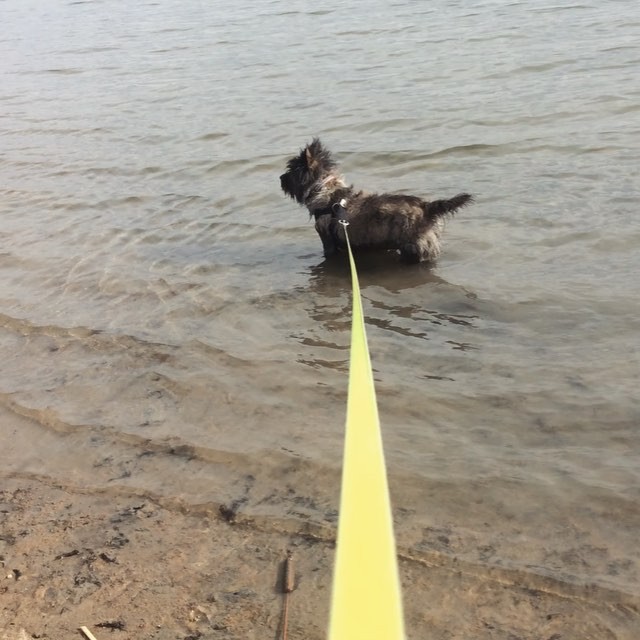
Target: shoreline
pixel 128 567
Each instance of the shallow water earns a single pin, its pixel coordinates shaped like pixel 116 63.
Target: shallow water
pixel 167 322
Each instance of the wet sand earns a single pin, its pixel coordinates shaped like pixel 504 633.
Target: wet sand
pixel 127 567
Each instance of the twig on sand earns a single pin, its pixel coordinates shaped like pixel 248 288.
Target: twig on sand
pixel 87 633
pixel 288 585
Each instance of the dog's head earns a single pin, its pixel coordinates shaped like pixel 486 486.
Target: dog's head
pixel 305 170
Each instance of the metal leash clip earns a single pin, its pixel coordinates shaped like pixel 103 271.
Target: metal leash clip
pixel 340 211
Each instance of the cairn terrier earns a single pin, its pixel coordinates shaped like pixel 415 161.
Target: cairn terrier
pixel 384 221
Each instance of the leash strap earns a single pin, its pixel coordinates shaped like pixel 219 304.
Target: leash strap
pixel 366 599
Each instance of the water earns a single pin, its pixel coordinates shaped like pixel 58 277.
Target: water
pixel 167 323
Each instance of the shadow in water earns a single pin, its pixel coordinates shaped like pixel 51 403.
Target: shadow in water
pixel 374 269
pixel 394 297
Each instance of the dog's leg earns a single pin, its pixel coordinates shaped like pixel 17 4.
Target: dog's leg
pixel 325 226
pixel 410 253
pixel 428 245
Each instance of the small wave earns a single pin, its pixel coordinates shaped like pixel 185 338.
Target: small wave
pixel 63 71
pixel 26 328
pixel 472 150
pixel 215 135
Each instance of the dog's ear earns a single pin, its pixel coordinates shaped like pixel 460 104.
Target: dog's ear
pixel 312 163
pixel 316 155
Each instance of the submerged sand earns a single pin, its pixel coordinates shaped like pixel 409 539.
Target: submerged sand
pixel 131 568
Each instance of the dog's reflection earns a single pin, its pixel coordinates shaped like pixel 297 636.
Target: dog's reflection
pixel 375 268
pixel 394 299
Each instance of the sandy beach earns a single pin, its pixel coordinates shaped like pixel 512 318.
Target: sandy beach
pixel 132 568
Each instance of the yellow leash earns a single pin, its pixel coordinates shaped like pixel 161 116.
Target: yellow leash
pixel 366 599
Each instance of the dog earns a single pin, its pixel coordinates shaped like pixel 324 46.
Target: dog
pixel 403 223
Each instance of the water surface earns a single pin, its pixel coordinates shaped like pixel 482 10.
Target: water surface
pixel 167 321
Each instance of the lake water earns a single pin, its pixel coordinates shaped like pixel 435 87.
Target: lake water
pixel 168 325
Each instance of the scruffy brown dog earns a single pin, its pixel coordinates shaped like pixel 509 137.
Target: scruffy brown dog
pixel 383 221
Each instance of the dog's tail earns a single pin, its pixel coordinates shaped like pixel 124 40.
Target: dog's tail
pixel 440 208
